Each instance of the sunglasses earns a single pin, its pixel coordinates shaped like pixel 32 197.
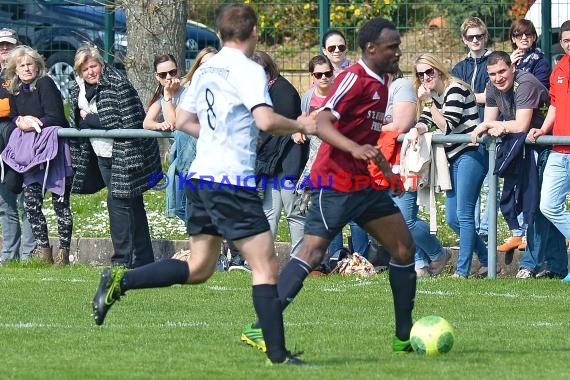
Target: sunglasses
pixel 519 34
pixel 332 48
pixel 327 74
pixel 474 37
pixel 429 72
pixel 163 74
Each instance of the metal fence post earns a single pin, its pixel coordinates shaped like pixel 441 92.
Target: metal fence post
pixel 324 18
pixel 109 31
pixel 491 209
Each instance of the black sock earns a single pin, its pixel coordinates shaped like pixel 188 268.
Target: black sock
pixel 156 275
pixel 403 284
pixel 270 316
pixel 290 282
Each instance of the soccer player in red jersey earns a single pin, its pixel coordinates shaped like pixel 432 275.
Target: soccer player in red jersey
pixel 349 125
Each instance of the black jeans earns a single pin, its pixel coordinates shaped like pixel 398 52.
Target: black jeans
pixel 128 224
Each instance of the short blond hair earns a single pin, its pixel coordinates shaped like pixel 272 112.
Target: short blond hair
pixel 473 22
pixel 83 54
pixel 15 56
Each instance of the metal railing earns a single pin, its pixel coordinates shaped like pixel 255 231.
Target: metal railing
pixel 489 142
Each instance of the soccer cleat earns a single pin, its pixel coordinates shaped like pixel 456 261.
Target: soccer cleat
pixel 108 292
pixel 290 359
pixel 254 337
pixel 401 346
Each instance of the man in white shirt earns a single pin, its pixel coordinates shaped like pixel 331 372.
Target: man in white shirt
pixel 226 104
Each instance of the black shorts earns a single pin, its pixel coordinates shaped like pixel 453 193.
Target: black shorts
pixel 331 210
pixel 230 211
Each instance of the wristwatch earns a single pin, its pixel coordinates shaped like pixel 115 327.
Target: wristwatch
pixel 428 104
pixel 167 99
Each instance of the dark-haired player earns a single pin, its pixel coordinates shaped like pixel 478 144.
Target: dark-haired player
pixel 349 126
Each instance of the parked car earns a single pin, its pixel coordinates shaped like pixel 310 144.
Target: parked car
pixel 57 28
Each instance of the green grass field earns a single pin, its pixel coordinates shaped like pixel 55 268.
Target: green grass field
pixel 505 329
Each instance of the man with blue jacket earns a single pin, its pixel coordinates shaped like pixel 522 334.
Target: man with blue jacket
pixel 473 70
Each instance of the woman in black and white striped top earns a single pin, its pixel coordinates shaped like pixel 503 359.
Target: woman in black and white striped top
pixel 448 104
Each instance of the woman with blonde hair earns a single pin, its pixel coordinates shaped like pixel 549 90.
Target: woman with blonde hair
pixel 202 56
pixel 447 104
pixel 37 110
pixel 104 98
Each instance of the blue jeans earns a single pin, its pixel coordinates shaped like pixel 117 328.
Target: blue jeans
pixel 467 173
pixel 555 187
pixel 481 221
pixel 360 240
pixel 181 204
pixel 521 231
pixel 12 236
pixel 545 244
pixel 428 248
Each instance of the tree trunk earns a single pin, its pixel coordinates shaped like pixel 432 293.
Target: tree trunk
pixel 154 27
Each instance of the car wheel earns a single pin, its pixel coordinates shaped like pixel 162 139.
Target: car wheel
pixel 60 69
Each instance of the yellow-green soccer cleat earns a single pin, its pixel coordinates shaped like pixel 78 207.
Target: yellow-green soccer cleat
pixel 401 346
pixel 254 337
pixel 108 292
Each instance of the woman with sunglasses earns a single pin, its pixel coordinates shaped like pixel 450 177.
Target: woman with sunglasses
pixel 526 55
pixel 334 48
pixel 162 106
pixel 103 98
pixel 322 72
pixel 161 114
pixel 430 256
pixel 447 104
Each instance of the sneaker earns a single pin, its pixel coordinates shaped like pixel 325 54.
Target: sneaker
pixel 524 273
pixel 458 276
pixel 244 267
pixel 290 358
pixel 401 346
pixel 436 267
pixel 511 243
pixel 522 245
pixel 481 273
pixel 253 336
pixel 567 278
pixel 108 292
pixel 549 274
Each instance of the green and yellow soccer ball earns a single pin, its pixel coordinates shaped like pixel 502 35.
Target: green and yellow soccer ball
pixel 432 335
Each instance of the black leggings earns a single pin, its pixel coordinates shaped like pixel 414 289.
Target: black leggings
pixel 33 201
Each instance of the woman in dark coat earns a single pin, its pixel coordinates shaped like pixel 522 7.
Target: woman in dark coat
pixel 103 98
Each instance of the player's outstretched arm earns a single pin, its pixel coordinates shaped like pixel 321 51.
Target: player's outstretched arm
pixel 187 122
pixel 268 120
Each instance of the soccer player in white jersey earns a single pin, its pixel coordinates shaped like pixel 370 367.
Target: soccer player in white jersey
pixel 226 104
